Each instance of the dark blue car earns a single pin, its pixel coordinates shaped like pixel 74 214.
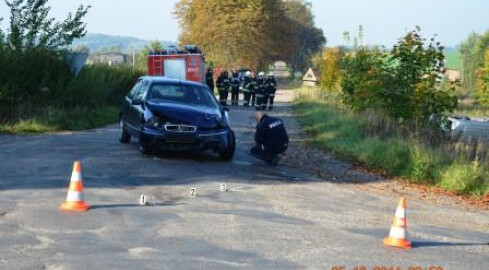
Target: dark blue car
pixel 174 115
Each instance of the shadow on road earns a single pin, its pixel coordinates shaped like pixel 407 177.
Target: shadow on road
pixel 129 205
pixel 422 244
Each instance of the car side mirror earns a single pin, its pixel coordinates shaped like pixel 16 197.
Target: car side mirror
pixel 136 102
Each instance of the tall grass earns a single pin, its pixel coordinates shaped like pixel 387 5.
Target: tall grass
pixel 380 142
pixel 472 110
pixel 39 93
pixel 52 119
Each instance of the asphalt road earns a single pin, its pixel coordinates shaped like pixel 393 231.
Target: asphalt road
pixel 271 217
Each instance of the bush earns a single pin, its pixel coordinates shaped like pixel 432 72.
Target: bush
pixel 40 78
pixel 465 178
pixel 37 89
pixel 400 152
pixel 54 119
pixel 37 84
pixel 482 90
pixel 403 83
pixel 328 64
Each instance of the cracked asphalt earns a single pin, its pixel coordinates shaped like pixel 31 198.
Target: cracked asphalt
pixel 271 218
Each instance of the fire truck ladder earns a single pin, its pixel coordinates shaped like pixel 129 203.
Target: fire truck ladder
pixel 158 66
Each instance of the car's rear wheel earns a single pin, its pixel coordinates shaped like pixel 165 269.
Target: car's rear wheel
pixel 228 153
pixel 124 136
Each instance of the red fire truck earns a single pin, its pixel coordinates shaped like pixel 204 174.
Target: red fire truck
pixel 187 63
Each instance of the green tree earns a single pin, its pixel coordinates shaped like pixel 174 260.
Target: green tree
pixel 33 69
pixel 404 83
pixel 2 34
pixel 482 90
pixel 30 26
pixel 230 32
pixel 480 49
pixel 472 53
pixel 466 50
pixel 300 38
pixel 250 33
pixel 362 81
pixel 330 68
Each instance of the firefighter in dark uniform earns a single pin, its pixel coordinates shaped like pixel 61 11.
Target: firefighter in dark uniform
pixel 235 82
pixel 260 91
pixel 223 87
pixel 270 89
pixel 270 137
pixel 253 88
pixel 246 88
pixel 209 79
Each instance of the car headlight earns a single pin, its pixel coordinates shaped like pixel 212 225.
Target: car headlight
pixel 152 122
pixel 222 122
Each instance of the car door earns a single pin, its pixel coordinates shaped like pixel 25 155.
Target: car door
pixel 127 104
pixel 136 111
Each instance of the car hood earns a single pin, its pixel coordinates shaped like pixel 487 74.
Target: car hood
pixel 203 117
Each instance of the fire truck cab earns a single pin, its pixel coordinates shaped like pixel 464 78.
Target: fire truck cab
pixel 186 63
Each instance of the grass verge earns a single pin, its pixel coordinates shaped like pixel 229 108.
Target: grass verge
pixel 51 120
pixel 453 167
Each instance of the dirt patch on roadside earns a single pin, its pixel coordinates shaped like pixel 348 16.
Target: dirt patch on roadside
pixel 309 159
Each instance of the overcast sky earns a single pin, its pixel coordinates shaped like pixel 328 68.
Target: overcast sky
pixel 383 20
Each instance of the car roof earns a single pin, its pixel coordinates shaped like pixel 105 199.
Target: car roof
pixel 161 79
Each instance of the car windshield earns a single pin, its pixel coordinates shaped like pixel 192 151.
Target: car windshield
pixel 182 94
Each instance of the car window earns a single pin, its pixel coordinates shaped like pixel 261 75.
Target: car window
pixel 182 94
pixel 134 90
pixel 141 91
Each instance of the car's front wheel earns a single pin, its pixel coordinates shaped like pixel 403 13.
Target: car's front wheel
pixel 124 136
pixel 228 153
pixel 144 147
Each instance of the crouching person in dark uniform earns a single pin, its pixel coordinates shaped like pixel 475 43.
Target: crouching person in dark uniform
pixel 271 139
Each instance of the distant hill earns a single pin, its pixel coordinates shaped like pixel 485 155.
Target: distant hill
pixel 108 43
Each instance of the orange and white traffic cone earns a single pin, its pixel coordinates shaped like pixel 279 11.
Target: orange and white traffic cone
pixel 398 235
pixel 74 200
